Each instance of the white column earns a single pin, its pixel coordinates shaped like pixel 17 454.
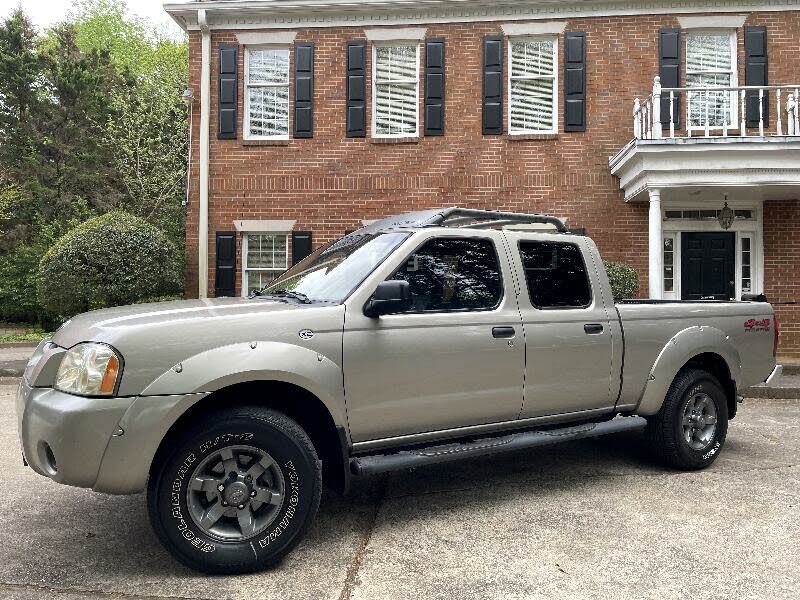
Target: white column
pixel 655 243
pixel 205 118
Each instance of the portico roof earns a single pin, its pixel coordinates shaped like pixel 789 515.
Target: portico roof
pixel 767 167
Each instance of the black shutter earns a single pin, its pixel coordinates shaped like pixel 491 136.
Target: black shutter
pixel 755 72
pixel 225 279
pixel 492 85
pixel 304 90
pixel 226 115
pixel 356 89
pixel 575 81
pixel 301 245
pixel 669 69
pixel 434 87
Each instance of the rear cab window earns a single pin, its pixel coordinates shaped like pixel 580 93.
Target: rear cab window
pixel 453 274
pixel 555 274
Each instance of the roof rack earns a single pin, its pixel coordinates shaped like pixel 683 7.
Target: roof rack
pixel 467 218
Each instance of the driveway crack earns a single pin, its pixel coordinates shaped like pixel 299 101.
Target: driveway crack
pixel 358 558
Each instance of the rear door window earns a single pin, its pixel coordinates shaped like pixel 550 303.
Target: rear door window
pixel 555 274
pixel 453 274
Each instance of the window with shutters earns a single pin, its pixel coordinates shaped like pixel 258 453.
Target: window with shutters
pixel 264 257
pixel 395 89
pixel 533 85
pixel 711 62
pixel 266 93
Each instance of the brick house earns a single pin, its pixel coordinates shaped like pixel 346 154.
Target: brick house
pixel 671 138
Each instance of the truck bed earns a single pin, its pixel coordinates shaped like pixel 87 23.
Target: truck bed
pixel 649 325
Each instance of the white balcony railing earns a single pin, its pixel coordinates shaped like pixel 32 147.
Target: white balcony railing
pixel 717 111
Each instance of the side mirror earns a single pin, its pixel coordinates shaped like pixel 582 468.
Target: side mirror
pixel 391 296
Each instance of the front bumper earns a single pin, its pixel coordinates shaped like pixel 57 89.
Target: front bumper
pixel 106 444
pixel 63 436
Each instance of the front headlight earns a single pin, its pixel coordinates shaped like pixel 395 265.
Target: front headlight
pixel 89 369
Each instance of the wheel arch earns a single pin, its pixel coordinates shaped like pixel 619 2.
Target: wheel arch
pixel 310 412
pixel 702 347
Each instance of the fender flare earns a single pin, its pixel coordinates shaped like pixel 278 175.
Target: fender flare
pixel 680 349
pixel 221 367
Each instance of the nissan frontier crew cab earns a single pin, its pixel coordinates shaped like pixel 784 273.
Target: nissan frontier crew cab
pixel 423 338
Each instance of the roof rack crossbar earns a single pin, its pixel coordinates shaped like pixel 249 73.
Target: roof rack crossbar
pixel 491 218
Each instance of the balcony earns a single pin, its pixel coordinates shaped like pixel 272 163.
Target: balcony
pixel 743 136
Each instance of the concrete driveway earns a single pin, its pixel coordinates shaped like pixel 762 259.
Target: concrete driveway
pixel 593 519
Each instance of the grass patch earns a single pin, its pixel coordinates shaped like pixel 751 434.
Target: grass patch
pixel 28 335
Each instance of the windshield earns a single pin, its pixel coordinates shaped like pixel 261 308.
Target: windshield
pixel 332 272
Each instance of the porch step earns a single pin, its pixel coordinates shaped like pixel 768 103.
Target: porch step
pixel 434 455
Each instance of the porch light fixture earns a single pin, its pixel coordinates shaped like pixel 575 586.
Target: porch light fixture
pixel 726 216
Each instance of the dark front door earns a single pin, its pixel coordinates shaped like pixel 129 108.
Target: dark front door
pixel 708 266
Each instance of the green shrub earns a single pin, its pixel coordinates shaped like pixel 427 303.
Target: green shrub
pixel 624 280
pixel 18 269
pixel 109 260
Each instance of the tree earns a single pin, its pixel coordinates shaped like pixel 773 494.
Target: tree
pixel 148 129
pixel 90 121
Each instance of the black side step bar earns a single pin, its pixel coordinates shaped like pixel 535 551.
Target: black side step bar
pixel 434 455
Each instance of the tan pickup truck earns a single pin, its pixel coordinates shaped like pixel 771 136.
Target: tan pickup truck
pixel 424 338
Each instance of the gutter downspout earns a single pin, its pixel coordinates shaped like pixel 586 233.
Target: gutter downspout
pixel 205 118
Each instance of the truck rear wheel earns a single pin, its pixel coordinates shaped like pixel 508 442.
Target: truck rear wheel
pixel 236 491
pixel 690 429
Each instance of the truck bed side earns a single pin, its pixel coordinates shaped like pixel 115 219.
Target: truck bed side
pixel 661 337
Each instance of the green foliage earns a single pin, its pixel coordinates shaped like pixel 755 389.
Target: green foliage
pixel 18 269
pixel 624 280
pixel 109 260
pixel 91 121
pixel 27 335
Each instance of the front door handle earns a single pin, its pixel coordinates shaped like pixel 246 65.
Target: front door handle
pixel 503 332
pixel 593 328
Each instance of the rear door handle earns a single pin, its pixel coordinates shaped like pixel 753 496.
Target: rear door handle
pixel 593 328
pixel 503 332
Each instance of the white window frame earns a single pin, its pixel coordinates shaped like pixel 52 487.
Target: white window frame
pixel 247 85
pixel 740 262
pixel 526 38
pixel 675 291
pixel 375 83
pixel 734 113
pixel 245 247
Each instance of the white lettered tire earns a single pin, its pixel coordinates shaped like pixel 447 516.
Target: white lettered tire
pixel 236 491
pixel 689 431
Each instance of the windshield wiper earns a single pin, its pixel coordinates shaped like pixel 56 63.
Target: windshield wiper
pixel 285 294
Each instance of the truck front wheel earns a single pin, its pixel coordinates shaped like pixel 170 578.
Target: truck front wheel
pixel 689 431
pixel 236 491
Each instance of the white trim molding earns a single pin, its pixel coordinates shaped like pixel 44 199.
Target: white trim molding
pixel 291 14
pixel 768 166
pixel 205 137
pixel 266 38
pixel 540 28
pixel 268 226
pixel 712 22
pixel 395 35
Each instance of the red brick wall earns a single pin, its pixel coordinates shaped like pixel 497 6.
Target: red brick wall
pixel 781 268
pixel 329 183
